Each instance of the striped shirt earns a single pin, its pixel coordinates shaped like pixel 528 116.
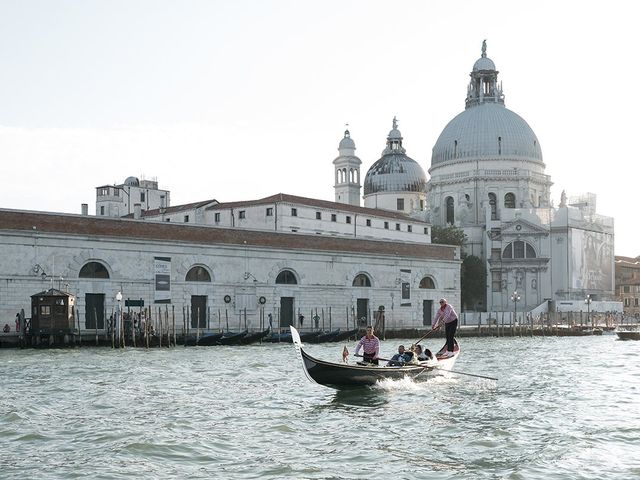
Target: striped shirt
pixel 371 345
pixel 447 315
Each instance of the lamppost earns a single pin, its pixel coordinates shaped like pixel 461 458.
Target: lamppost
pixel 119 318
pixel 515 298
pixel 587 300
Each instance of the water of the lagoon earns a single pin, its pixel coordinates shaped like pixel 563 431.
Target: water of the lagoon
pixel 563 408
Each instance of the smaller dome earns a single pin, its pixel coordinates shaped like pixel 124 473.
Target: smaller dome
pixel 347 142
pixel 132 182
pixel 394 133
pixel 483 63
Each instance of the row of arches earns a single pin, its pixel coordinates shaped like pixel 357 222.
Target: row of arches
pixel 200 274
pixel 352 175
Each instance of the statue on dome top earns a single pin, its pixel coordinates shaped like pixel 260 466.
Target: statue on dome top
pixel 484 48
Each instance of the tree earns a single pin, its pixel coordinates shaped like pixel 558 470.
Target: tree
pixel 473 282
pixel 448 235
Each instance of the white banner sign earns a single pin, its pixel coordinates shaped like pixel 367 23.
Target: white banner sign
pixel 162 271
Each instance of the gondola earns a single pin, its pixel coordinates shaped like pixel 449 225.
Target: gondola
pixel 209 339
pixel 232 338
pixel 326 336
pixel 254 337
pixel 345 376
pixel 345 335
pixel 279 338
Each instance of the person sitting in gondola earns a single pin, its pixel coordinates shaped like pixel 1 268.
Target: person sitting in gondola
pixel 403 356
pixel 423 355
pixel 370 345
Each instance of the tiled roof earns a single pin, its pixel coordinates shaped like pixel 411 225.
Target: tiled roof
pixel 169 210
pixel 314 202
pixel 103 227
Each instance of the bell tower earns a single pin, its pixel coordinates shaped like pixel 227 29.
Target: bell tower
pixel 347 172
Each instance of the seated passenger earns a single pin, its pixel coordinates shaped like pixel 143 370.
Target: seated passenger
pixel 423 356
pixel 400 358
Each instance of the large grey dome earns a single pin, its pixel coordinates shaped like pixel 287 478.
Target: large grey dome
pixel 488 129
pixel 395 171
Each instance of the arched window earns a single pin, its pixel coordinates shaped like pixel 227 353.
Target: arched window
pixel 509 200
pixel 450 211
pixel 427 282
pixel 361 280
pixel 519 249
pixel 94 270
pixel 287 277
pixel 493 205
pixel 198 274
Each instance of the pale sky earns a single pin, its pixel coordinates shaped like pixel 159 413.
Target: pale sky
pixel 235 100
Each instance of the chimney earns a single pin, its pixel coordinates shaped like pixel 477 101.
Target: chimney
pixel 137 211
pixel 84 209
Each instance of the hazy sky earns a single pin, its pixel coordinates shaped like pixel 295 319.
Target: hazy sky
pixel 238 99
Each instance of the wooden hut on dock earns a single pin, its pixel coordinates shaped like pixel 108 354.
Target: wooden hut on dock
pixel 53 317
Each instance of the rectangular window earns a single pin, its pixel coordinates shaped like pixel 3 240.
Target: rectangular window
pixel 348 219
pixel 216 218
pixel 368 222
pixel 103 192
pixel 400 204
pixel 426 230
pixel 386 225
pixel 242 214
pixel 334 218
pixel 186 219
pixel 398 226
pixel 625 289
pixel 421 204
pixel 496 281
pixel 45 310
pixel 294 212
pixel 102 210
pixel 409 228
pixel 270 212
pixel 167 219
pixel 116 192
pixel 626 302
pixel 142 196
pixel 318 216
pixel 635 302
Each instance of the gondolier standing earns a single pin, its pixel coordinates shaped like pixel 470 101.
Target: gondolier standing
pixel 370 345
pixel 447 315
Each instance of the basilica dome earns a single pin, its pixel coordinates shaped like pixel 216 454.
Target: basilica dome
pixel 486 128
pixel 394 171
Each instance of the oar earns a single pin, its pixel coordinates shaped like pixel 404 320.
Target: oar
pixel 426 335
pixel 468 374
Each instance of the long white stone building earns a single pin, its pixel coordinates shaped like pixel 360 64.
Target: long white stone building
pixel 223 276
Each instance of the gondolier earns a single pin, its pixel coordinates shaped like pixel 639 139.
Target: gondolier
pixel 370 345
pixel 447 315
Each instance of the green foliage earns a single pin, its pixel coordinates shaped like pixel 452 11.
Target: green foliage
pixel 448 235
pixel 473 279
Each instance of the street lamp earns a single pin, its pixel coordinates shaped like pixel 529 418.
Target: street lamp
pixel 587 301
pixel 119 318
pixel 515 298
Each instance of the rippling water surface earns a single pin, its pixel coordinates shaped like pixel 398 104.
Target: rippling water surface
pixel 562 408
